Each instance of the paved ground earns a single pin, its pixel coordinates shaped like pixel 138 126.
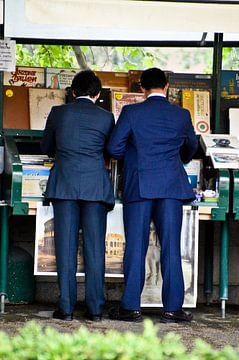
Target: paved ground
pixel 207 323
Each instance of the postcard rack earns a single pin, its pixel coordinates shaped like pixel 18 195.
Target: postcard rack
pixel 17 143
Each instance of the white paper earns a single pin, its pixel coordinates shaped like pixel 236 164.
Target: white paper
pixel 7 55
pixel 234 121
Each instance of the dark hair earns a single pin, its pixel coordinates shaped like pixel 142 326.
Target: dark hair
pixel 153 78
pixel 86 83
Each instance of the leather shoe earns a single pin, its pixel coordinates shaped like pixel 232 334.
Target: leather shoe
pixel 58 314
pixel 125 315
pixel 93 317
pixel 176 316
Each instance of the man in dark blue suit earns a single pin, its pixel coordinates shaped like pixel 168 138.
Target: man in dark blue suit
pixel 81 192
pixel 154 138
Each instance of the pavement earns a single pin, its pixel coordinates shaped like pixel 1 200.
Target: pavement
pixel 207 323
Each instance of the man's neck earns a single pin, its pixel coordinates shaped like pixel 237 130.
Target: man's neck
pixel 159 91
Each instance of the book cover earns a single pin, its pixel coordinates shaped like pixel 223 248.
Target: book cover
pixel 225 160
pixel 194 172
pixel 180 81
pixel 25 76
pixel 59 78
pixel 230 84
pixel 34 180
pixel 15 107
pixel 40 104
pixel 120 99
pixel 198 103
pixel 219 143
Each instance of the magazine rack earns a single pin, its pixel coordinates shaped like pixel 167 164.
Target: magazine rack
pixel 17 142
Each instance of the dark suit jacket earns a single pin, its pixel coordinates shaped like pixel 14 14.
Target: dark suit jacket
pixel 154 138
pixel 76 134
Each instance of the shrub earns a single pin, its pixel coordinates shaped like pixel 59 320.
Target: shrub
pixel 34 343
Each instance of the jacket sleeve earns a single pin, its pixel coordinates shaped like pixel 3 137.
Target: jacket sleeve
pixel 190 144
pixel 117 144
pixel 112 125
pixel 48 143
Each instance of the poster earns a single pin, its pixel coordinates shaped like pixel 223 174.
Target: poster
pixel 120 99
pixel 40 104
pixel 60 78
pixel 25 76
pixel 151 296
pixel 44 245
pixel 44 263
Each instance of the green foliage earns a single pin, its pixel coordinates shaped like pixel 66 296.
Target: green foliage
pixel 33 343
pixel 45 56
pixel 230 58
pixel 119 58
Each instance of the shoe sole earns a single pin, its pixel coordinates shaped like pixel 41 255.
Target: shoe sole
pixel 140 319
pixel 62 319
pixel 169 321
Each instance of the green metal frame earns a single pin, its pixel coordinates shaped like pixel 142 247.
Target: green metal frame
pixel 13 178
pixel 13 170
pixel 219 213
pixel 235 200
pixel 3 250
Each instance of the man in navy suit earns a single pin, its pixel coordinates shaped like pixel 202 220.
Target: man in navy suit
pixel 154 138
pixel 81 192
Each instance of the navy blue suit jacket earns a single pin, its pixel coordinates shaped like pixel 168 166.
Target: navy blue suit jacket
pixel 76 135
pixel 155 138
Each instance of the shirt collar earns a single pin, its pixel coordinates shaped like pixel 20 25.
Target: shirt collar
pixel 85 97
pixel 156 94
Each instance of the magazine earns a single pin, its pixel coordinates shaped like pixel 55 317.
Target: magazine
pixel 219 143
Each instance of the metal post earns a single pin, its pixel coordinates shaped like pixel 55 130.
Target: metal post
pixel 3 255
pixel 208 264
pixel 224 266
pixel 216 95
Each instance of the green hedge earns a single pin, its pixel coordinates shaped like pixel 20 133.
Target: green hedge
pixel 34 343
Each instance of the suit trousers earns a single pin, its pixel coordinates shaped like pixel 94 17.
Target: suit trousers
pixel 167 217
pixel 69 216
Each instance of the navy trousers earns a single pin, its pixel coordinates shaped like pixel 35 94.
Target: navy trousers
pixel 69 215
pixel 167 217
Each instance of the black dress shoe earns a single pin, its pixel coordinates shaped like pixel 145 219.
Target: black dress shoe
pixel 93 317
pixel 176 316
pixel 125 315
pixel 58 314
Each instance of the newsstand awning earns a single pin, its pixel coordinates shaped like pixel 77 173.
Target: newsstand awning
pixel 120 20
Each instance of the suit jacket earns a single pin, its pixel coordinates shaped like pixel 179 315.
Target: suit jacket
pixel 76 135
pixel 155 138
